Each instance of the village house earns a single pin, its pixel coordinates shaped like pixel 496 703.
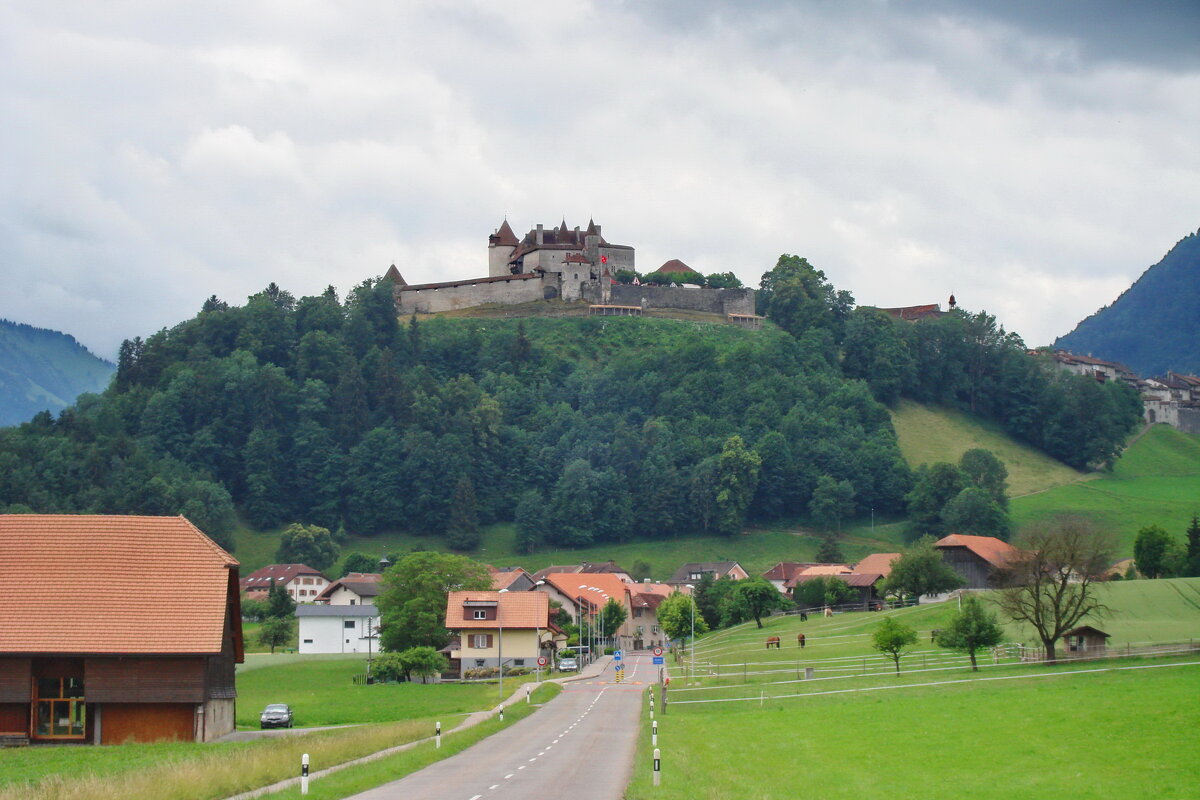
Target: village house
pixel 493 627
pixel 784 571
pixel 303 583
pixel 975 558
pixel 116 629
pixel 644 600
pixel 353 589
pixel 693 572
pixel 338 628
pixel 514 579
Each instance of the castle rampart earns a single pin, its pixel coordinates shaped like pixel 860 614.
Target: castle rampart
pixel 712 301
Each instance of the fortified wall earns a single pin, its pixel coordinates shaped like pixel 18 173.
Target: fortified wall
pixel 566 264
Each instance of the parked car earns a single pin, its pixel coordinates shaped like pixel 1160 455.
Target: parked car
pixel 276 715
pixel 568 664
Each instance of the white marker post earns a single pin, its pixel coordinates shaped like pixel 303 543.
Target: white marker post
pixel 304 774
pixel 657 767
pixel 528 692
pixel 502 713
pixel 654 733
pixel 437 735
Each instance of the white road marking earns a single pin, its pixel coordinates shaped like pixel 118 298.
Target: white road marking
pixel 509 775
pixel 494 786
pixel 476 797
pixel 533 759
pixel 521 767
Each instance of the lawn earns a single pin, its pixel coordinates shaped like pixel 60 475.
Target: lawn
pixel 321 692
pixel 1155 482
pixel 928 434
pixel 1095 735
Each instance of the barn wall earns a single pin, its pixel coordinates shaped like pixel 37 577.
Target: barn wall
pixel 144 680
pixel 15 680
pixel 218 719
pixel 970 567
pixel 147 722
pixel 14 717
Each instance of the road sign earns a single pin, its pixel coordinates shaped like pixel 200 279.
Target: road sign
pixel 616 655
pixel 658 651
pixel 542 661
pixel 659 660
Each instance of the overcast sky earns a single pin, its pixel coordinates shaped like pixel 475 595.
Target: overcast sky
pixel 1032 162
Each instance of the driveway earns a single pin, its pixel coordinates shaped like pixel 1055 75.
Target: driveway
pixel 581 744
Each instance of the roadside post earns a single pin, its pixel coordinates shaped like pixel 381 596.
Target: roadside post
pixel 304 774
pixel 528 692
pixel 657 767
pixel 502 713
pixel 437 735
pixel 654 733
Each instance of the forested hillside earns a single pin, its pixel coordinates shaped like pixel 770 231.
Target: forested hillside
pixel 44 370
pixel 581 430
pixel 1154 325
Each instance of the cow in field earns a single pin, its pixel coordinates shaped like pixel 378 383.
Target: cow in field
pixel 772 641
pixel 800 639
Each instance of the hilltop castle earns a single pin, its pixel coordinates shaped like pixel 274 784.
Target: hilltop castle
pixel 560 263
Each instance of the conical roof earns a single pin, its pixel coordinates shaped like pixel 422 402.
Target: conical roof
pixel 394 276
pixel 675 265
pixel 504 236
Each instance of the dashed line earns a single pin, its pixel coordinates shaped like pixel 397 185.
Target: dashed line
pixel 521 767
pixel 476 797
pixel 509 775
pixel 493 786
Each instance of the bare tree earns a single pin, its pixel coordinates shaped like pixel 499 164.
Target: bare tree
pixel 1050 584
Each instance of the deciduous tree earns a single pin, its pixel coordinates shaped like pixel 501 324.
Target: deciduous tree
pixel 412 604
pixel 676 614
pixel 759 597
pixel 1151 551
pixel 1051 583
pixel 972 629
pixel 920 571
pixel 276 632
pixel 307 544
pixel 893 638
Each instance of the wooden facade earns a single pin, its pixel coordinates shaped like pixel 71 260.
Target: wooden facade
pixel 976 571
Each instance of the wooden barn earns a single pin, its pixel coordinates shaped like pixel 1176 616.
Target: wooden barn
pixel 115 629
pixel 975 558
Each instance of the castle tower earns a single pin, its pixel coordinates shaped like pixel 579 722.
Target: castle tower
pixel 501 246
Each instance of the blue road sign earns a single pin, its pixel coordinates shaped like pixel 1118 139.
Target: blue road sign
pixel 616 655
pixel 660 660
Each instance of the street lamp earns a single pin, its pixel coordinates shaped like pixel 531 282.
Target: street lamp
pixel 500 645
pixel 692 666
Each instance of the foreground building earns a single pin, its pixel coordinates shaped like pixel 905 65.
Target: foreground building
pixel 116 629
pixel 492 628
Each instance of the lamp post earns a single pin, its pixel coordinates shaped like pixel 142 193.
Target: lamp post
pixel 692 665
pixel 500 646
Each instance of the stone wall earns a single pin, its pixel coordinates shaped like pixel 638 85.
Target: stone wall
pixel 466 294
pixel 712 301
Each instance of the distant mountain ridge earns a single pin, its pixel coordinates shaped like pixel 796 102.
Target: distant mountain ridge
pixel 44 370
pixel 1154 326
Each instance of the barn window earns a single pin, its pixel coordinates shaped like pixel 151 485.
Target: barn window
pixel 348 624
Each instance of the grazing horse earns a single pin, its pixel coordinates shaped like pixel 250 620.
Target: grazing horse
pixel 800 639
pixel 772 641
pixel 828 611
pixel 804 616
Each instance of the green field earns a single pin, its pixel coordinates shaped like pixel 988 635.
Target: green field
pixel 321 692
pixel 1155 482
pixel 928 434
pixel 1105 734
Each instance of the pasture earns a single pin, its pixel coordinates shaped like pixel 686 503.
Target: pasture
pixel 1093 734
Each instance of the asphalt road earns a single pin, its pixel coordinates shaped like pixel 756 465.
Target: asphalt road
pixel 580 745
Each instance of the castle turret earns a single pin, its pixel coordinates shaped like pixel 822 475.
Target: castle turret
pixel 501 246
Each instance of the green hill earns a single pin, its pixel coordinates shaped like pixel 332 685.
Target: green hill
pixel 1155 482
pixel 1153 326
pixel 44 370
pixel 928 434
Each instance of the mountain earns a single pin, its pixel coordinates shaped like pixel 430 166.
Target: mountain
pixel 1154 326
pixel 44 370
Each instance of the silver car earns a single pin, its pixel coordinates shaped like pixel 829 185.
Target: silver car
pixel 276 715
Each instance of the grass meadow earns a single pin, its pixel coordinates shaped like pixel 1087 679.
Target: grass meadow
pixel 319 688
pixel 1095 734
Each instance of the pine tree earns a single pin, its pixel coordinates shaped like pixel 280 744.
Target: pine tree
pixel 1192 564
pixel 462 532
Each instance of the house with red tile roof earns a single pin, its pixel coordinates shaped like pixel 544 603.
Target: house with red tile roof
pixel 352 589
pixel 975 558
pixel 489 628
pixel 303 583
pixel 784 571
pixel 514 579
pixel 877 563
pixel 115 629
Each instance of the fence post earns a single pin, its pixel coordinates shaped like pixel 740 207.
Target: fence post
pixel 502 713
pixel 304 774
pixel 657 766
pixel 437 735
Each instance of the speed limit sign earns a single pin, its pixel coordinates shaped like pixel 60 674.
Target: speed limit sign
pixel 658 651
pixel 542 661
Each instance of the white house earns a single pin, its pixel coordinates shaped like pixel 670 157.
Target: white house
pixel 338 629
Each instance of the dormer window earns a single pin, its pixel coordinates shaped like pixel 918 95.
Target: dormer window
pixel 479 613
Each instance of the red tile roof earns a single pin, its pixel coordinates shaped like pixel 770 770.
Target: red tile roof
pixel 596 587
pixel 525 276
pixel 576 258
pixel 505 579
pixel 675 265
pixel 786 570
pixel 111 584
pixel 279 573
pixel 516 610
pixel 880 563
pixel 504 236
pixel 363 584
pixel 914 312
pixel 995 551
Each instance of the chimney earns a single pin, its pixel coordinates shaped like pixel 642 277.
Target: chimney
pixel 538 237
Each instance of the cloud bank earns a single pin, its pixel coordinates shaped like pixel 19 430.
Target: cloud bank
pixel 1032 163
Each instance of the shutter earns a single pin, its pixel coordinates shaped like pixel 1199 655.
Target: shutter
pixel 489 641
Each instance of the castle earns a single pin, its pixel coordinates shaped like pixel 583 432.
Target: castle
pixel 560 264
